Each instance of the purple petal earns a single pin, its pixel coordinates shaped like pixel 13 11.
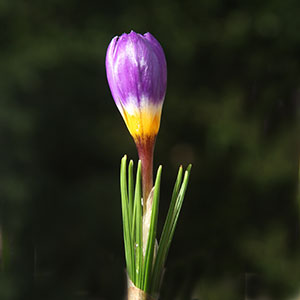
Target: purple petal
pixel 136 70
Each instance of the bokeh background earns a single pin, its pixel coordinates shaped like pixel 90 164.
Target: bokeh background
pixel 231 109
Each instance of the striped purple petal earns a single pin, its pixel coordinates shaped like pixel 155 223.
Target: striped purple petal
pixel 136 71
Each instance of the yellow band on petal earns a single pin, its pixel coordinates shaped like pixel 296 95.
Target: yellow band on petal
pixel 143 122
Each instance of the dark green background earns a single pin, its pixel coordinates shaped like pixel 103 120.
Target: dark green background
pixel 231 109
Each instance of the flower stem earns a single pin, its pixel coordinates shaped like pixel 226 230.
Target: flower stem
pixel 145 149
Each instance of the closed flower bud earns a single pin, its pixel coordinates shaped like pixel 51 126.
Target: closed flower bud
pixel 137 76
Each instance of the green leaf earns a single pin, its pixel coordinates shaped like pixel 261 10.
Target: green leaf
pixel 146 272
pixel 130 191
pixel 129 251
pixel 138 227
pixel 148 264
pixel 179 202
pixel 169 228
pixel 162 248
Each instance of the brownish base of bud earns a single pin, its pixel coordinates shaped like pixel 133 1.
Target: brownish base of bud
pixel 135 293
pixel 145 147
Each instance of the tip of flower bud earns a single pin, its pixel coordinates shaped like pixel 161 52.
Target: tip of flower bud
pixel 137 75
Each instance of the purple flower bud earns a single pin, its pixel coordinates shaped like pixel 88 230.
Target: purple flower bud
pixel 137 76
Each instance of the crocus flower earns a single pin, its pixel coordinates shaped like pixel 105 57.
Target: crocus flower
pixel 137 76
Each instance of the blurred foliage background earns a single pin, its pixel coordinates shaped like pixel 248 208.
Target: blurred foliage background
pixel 231 110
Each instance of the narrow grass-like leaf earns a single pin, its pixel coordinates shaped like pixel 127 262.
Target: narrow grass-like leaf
pixel 129 251
pixel 170 231
pixel 148 263
pixel 137 225
pixel 130 191
pixel 146 271
pixel 179 205
pixel 162 248
pixel 133 223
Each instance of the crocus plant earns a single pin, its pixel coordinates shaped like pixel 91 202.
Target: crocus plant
pixel 137 75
